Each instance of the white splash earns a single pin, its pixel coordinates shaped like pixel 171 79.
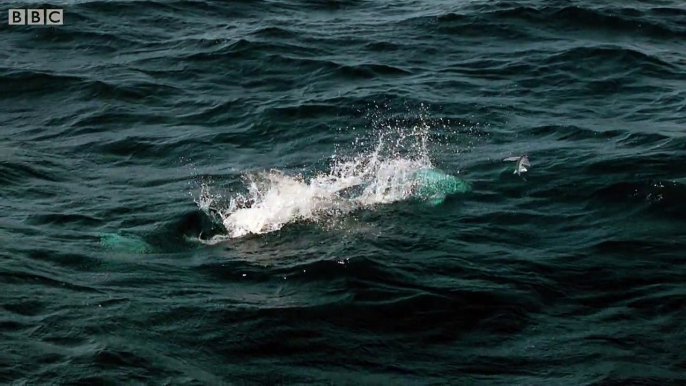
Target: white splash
pixel 274 199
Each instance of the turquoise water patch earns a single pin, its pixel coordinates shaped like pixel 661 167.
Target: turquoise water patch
pixel 124 243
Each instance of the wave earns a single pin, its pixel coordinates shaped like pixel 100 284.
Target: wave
pixel 616 58
pixel 273 32
pixel 27 83
pixel 594 70
pixel 621 137
pixel 371 71
pixel 338 70
pixel 515 21
pixel 616 20
pixel 36 82
pixel 330 5
pixel 14 172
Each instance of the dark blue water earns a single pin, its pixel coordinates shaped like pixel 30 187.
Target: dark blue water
pixel 145 237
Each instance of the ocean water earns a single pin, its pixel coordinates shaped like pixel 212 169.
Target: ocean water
pixel 210 192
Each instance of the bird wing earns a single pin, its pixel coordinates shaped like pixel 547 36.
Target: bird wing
pixel 510 159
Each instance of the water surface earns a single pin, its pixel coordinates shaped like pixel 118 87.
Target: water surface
pixel 164 171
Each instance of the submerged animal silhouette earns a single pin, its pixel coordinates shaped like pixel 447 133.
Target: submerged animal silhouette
pixel 435 185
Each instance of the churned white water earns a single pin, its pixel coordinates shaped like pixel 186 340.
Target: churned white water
pixel 273 198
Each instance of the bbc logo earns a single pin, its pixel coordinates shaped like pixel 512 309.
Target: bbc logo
pixel 36 16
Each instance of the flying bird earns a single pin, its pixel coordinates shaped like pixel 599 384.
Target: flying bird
pixel 521 164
